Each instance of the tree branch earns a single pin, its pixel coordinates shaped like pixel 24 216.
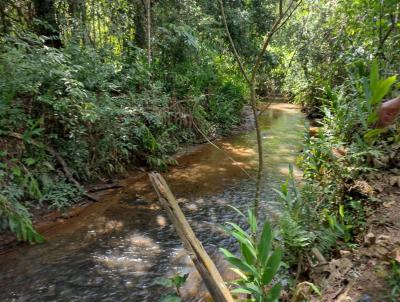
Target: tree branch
pixel 235 53
pixel 275 27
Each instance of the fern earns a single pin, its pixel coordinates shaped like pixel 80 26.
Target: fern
pixel 15 217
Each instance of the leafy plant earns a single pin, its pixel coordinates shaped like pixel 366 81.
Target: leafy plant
pixel 296 219
pixel 60 194
pixel 338 224
pixel 394 281
pixel 176 282
pixel 259 262
pixel 15 217
pixel 374 93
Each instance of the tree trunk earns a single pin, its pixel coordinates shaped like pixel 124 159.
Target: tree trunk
pixel 46 13
pixel 140 34
pixel 4 23
pixel 148 31
pixel 253 102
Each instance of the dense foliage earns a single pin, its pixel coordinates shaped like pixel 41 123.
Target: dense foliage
pixel 90 88
pixel 75 83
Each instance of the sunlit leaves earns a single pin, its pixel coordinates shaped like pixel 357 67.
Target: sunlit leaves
pixel 258 265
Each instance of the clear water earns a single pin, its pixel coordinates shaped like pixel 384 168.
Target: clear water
pixel 115 250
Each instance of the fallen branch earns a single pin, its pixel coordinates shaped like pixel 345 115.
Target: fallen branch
pixel 321 259
pixel 201 260
pixel 105 187
pixel 58 157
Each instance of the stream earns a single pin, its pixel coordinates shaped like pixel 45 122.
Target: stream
pixel 116 248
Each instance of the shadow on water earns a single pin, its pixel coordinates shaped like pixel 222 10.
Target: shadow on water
pixel 115 250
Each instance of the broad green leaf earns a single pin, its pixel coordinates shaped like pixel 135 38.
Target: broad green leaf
pixel 274 293
pixel 374 75
pixel 341 211
pixel 264 244
pixel 238 263
pixel 371 134
pixel 247 254
pixel 254 289
pixel 372 117
pixel 170 298
pixel 166 282
pixel 381 89
pixel 252 221
pixel 241 290
pixel 272 266
pixel 243 240
pixel 239 272
pixel 239 230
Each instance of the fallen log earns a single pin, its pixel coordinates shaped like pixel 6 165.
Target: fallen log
pixel 105 187
pixel 58 157
pixel 201 260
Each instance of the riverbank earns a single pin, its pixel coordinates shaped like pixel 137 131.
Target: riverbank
pixel 366 272
pixel 47 221
pixel 116 247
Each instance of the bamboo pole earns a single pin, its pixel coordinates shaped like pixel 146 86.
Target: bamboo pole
pixel 201 260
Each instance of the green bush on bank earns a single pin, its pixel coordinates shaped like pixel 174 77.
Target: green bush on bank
pixel 100 112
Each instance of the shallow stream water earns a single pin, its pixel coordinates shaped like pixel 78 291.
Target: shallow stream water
pixel 116 248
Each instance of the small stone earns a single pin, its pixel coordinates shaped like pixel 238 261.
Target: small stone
pixel 345 254
pixel 370 238
pixel 385 159
pixel 378 188
pixel 396 255
pixel 382 237
pixel 389 204
pixel 377 163
pixel 393 180
pixel 382 251
pixel 365 298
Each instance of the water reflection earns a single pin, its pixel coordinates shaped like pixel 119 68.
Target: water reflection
pixel 116 250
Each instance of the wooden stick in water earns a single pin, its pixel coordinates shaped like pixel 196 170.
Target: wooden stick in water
pixel 201 260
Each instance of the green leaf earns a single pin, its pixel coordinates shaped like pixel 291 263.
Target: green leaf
pixel 241 290
pixel 374 75
pixel 170 298
pixel 274 293
pixel 341 211
pixel 165 282
pixel 237 210
pixel 382 88
pixel 239 272
pixel 16 171
pixel 272 266
pixel 179 280
pixel 264 244
pixel 253 288
pixel 239 230
pixel 30 161
pixel 245 241
pixel 244 267
pixel 252 221
pixel 374 133
pixel 247 254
